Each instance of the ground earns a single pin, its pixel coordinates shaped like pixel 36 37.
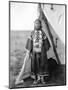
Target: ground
pixel 57 78
pixel 17 53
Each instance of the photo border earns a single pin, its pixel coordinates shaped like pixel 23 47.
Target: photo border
pixel 65 41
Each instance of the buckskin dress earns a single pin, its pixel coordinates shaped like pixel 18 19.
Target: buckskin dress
pixel 38 45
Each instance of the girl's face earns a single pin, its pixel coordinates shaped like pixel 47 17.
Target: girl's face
pixel 37 25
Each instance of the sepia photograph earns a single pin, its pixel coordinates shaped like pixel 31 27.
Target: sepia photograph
pixel 37 44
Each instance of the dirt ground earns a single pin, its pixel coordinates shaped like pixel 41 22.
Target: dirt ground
pixel 17 53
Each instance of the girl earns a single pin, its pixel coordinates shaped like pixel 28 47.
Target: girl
pixel 38 45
